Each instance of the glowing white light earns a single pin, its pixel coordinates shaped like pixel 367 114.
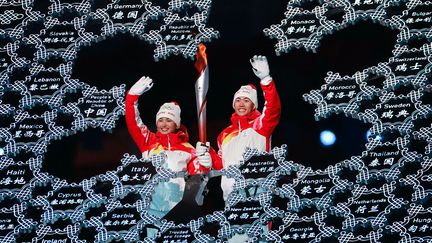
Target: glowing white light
pixel 1 152
pixel 327 138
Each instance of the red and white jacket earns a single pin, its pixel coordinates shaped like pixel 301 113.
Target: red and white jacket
pixel 180 153
pixel 251 131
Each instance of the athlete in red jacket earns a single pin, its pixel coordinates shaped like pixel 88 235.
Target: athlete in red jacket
pixel 171 138
pixel 249 128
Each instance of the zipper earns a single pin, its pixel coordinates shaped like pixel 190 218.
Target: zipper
pixel 169 143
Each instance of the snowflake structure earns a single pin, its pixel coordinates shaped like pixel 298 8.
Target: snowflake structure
pixel 383 193
pixel 393 98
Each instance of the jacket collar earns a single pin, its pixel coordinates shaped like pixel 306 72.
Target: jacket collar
pixel 243 121
pixel 168 140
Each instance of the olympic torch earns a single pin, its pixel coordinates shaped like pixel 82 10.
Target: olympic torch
pixel 201 88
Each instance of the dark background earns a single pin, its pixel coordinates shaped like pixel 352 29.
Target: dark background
pixel 124 58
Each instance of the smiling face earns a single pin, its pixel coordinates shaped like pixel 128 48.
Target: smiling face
pixel 165 125
pixel 243 106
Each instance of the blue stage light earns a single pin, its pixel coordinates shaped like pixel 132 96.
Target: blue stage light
pixel 327 138
pixel 368 133
pixel 377 137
